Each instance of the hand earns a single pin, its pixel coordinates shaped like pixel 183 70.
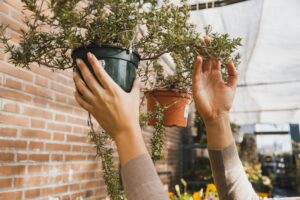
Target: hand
pixel 115 110
pixel 213 96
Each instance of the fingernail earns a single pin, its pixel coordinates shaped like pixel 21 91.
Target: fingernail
pixel 90 55
pixel 78 61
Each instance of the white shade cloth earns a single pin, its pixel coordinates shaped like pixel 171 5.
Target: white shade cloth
pixel 269 75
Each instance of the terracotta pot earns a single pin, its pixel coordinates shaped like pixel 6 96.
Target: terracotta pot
pixel 177 104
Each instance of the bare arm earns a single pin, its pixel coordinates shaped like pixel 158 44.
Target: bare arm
pixel 213 98
pixel 118 114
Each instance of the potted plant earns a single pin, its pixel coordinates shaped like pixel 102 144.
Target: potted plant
pixel 169 95
pixel 174 91
pixel 120 33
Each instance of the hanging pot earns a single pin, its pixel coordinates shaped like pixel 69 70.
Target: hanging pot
pixel 176 104
pixel 119 63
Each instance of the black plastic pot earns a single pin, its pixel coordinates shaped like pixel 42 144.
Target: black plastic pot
pixel 119 63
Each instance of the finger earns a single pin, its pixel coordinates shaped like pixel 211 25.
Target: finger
pixel 136 87
pixel 82 88
pixel 102 76
pixel 233 75
pixel 83 103
pixel 207 40
pixel 207 65
pixel 216 64
pixel 198 68
pixel 88 77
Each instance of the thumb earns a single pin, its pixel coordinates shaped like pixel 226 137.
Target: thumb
pixel 136 86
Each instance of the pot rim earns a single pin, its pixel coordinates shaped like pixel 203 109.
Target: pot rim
pixel 176 92
pixel 93 46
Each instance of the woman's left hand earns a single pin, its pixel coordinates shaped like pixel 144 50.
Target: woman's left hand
pixel 115 110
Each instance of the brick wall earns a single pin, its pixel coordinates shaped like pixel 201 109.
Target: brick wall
pixel 44 149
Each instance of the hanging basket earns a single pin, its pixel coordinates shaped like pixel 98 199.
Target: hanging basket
pixel 119 63
pixel 176 105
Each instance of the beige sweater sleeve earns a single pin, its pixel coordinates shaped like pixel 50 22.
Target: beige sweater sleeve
pixel 141 181
pixel 229 175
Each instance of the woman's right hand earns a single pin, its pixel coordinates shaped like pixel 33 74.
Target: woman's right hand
pixel 213 96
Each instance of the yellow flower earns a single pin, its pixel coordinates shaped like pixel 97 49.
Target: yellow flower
pixel 196 196
pixel 171 195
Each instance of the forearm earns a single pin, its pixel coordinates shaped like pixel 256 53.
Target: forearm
pixel 130 144
pixel 229 175
pixel 219 134
pixel 139 175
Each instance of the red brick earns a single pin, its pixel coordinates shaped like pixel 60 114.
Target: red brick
pixel 14 144
pixel 16 72
pixel 75 187
pixel 22 157
pixel 41 81
pixel 6 157
pixel 78 121
pixel 61 189
pixel 59 117
pixel 34 169
pixel 9 94
pixel 11 195
pixel 61 88
pixel 11 83
pixel 89 184
pixel 12 24
pixel 59 136
pixel 12 170
pixel 41 101
pixel 57 147
pixel 6 183
pixel 90 149
pixel 56 157
pixel 60 107
pixel 75 138
pixel 76 148
pixel 29 133
pixel 17 16
pixel 32 193
pixel 36 146
pixel 14 120
pixel 4 8
pixel 2 55
pixel 36 123
pixel 8 132
pixel 61 98
pixel 28 181
pixel 11 107
pixel 38 91
pixel 47 191
pixel 59 127
pixel 43 71
pixel 36 112
pixel 75 157
pixel 16 4
pixel 39 157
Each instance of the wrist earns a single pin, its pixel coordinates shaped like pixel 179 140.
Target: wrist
pixel 218 130
pixel 130 144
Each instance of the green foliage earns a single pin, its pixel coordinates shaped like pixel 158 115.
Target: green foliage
pixel 111 178
pixel 158 138
pixel 55 28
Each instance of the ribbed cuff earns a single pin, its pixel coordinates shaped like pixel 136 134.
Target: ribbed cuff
pixel 141 181
pixel 224 160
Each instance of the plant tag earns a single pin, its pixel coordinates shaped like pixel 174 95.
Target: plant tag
pixel 186 111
